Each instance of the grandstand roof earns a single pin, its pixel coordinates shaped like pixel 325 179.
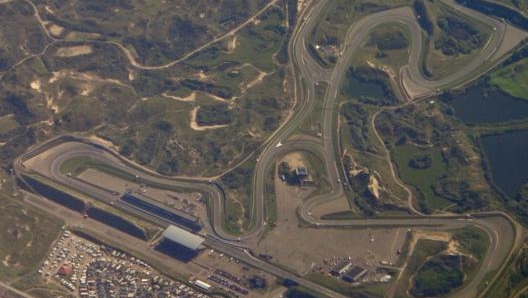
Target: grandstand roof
pixel 183 237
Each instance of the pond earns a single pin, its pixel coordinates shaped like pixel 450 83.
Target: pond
pixel 355 88
pixel 482 104
pixel 508 159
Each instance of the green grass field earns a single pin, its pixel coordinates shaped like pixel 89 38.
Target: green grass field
pixel 8 123
pixel 25 237
pixel 513 79
pixel 422 179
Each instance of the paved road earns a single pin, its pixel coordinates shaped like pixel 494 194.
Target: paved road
pixel 307 75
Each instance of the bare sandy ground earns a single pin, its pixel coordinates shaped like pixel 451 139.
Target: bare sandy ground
pixel 295 160
pixel 232 44
pixel 74 51
pixel 189 98
pixel 55 29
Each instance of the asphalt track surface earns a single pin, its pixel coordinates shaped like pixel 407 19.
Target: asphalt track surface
pixel 505 235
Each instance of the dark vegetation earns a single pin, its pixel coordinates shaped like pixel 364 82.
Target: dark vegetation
pixel 218 114
pixel 496 9
pixel 357 120
pixel 460 37
pixel 472 241
pixel 389 40
pixel 459 180
pixel 423 16
pixel 107 61
pixel 238 178
pixel 438 276
pixel 158 34
pixel 369 75
pixel 421 161
pixel 223 92
pixel 19 41
pixel 513 278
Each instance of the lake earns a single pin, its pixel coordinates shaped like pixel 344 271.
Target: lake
pixel 507 156
pixel 481 104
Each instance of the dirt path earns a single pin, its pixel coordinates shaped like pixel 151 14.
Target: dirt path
pixel 394 175
pixel 230 33
pixel 194 125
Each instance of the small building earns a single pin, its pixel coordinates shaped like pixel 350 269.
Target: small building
pixel 65 270
pixel 354 274
pixel 301 172
pixel 341 268
pixel 202 285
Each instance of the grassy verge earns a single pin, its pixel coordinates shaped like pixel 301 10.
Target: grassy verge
pixel 25 237
pixel 513 79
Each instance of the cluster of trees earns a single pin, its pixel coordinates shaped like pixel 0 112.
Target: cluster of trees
pixel 238 178
pixel 357 121
pixel 438 276
pixel 423 16
pixel 217 114
pixel 16 104
pixel 4 59
pixel 376 76
pixel 220 91
pixel 421 161
pixel 460 36
pixel 460 193
pixel 391 40
pixel 369 7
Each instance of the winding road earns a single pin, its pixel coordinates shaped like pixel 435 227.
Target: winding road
pixel 504 233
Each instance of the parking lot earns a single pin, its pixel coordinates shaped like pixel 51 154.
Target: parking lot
pixel 91 270
pixel 229 274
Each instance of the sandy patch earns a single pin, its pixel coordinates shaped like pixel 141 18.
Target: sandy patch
pixel 81 35
pixel 202 75
pixel 55 29
pixel 374 187
pixel 50 104
pixel 105 143
pixel 189 98
pixel 218 98
pixel 131 75
pixel 295 160
pixel 195 126
pixel 5 261
pixel 435 236
pixel 232 44
pixel 74 51
pixel 36 85
pixel 257 80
